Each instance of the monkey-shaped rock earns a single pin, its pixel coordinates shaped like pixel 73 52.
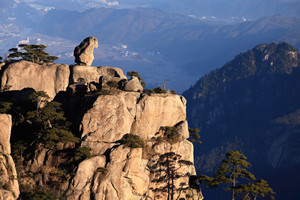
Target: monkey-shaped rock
pixel 84 53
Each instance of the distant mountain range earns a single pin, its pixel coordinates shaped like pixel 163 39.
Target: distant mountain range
pixel 228 10
pixel 186 44
pixel 252 104
pixel 223 9
pixel 159 45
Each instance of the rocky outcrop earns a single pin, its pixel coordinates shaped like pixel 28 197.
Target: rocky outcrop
pixel 81 184
pixel 50 78
pixel 130 172
pixel 106 110
pixel 53 78
pixel 113 116
pixel 84 53
pixel 110 118
pixel 93 74
pixel 8 178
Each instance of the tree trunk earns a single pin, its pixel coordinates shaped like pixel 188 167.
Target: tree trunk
pixel 233 188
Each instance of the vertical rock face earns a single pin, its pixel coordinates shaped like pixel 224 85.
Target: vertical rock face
pixel 8 178
pixel 5 124
pixel 50 78
pixel 135 173
pixel 84 53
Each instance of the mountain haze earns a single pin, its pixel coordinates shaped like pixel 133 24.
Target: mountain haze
pixel 161 46
pixel 186 44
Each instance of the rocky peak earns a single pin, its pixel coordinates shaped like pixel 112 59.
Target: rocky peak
pixel 123 129
pixel 132 173
pixel 250 104
pixel 262 60
pixel 84 53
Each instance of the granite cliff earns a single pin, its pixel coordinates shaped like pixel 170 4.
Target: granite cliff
pixel 123 144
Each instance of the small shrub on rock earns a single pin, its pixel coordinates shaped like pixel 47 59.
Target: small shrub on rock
pixel 81 81
pixel 112 84
pixel 149 91
pixel 136 74
pixel 132 141
pixel 82 153
pixel 171 134
pixel 157 90
pixel 194 136
pixel 173 92
pixel 160 90
pixel 102 170
pixel 5 107
pixel 103 92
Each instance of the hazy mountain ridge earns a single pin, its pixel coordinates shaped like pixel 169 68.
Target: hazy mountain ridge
pixel 252 9
pixel 186 43
pixel 115 25
pixel 251 104
pixel 179 47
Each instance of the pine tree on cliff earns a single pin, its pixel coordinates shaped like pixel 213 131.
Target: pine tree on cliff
pixel 32 53
pixel 166 171
pixel 233 174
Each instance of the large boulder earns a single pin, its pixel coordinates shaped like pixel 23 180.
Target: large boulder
pixel 8 178
pixel 92 74
pixel 134 85
pixel 84 53
pixel 50 78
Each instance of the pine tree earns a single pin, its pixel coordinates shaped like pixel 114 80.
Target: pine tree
pixel 166 172
pixel 259 188
pixel 194 135
pixel 32 53
pixel 50 125
pixel 233 168
pixel 233 174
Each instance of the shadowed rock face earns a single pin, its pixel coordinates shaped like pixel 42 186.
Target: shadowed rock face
pixel 84 53
pixel 8 178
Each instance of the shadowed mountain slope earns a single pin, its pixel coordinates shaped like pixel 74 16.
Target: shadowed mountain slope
pixel 251 104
